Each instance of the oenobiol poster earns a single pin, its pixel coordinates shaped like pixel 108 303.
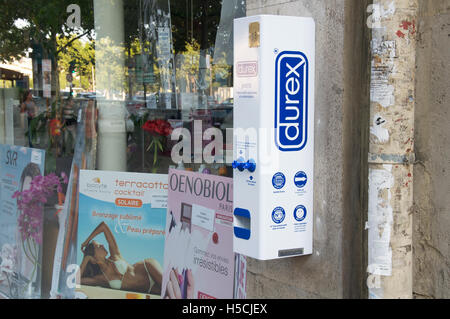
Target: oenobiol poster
pixel 18 167
pixel 120 236
pixel 198 255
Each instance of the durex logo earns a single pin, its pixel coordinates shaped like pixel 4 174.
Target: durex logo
pixel 247 69
pixel 291 101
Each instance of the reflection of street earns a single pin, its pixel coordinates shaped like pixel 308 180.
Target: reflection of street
pixel 20 129
pixel 21 124
pixel 41 138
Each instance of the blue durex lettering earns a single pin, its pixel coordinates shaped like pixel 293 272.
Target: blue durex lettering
pixel 291 101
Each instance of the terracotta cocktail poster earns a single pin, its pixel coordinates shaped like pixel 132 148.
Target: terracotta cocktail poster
pixel 121 234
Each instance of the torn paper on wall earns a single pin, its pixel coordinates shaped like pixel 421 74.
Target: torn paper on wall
pixel 380 219
pixel 383 55
pixel 378 131
pixel 379 11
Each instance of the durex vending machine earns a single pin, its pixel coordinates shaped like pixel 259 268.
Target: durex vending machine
pixel 273 145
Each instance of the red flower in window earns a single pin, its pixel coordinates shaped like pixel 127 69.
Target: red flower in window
pixel 158 129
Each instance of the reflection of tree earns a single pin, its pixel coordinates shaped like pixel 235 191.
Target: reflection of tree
pixel 188 64
pixel 82 56
pixel 45 30
pixel 132 45
pixel 42 22
pixel 221 68
pixel 187 67
pixel 198 23
pixel 110 71
pixel 193 25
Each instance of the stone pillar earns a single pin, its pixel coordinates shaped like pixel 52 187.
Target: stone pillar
pixel 391 149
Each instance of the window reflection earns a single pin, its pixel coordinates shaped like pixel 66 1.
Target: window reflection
pixel 139 61
pixel 105 84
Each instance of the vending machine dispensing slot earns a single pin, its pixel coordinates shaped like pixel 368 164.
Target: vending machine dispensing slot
pixel 273 145
pixel 241 223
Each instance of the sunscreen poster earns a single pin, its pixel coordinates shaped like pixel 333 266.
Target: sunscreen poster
pixel 199 262
pixel 18 167
pixel 121 233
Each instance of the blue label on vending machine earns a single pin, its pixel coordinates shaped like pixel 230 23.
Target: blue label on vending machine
pixel 291 101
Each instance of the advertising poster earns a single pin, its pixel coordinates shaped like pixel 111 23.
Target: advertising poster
pixel 199 262
pixel 120 237
pixel 19 250
pixel 164 57
pixel 47 77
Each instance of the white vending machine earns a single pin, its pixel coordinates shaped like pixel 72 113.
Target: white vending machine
pixel 273 146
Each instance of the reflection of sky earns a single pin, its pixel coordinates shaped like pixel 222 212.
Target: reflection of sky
pixel 134 247
pixel 21 23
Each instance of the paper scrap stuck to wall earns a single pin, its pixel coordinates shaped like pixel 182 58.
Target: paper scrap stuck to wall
pixel 380 218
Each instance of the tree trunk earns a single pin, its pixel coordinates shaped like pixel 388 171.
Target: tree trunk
pixel 55 78
pixel 130 83
pixel 55 71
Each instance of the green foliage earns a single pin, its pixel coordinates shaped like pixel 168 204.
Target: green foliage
pixel 110 71
pixel 42 21
pixel 43 28
pixel 82 55
pixel 36 25
pixel 200 28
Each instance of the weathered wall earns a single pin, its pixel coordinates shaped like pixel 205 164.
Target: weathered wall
pixel 431 219
pixel 391 149
pixel 341 124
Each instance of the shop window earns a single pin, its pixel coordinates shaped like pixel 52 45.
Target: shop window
pixel 121 85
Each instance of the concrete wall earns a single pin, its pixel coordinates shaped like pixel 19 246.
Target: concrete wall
pixel 431 219
pixel 335 270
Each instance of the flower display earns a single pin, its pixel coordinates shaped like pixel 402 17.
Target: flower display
pixel 30 205
pixel 158 127
pixel 158 130
pixel 31 201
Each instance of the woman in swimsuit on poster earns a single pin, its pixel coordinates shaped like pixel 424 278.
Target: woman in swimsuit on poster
pixel 114 272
